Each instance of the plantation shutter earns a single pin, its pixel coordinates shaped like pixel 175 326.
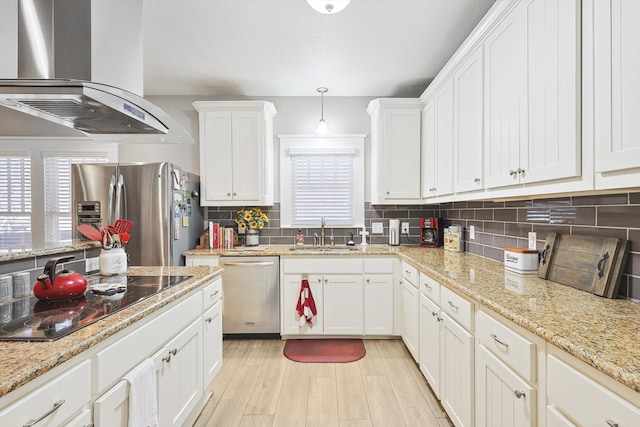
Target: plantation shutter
pixel 322 185
pixel 15 200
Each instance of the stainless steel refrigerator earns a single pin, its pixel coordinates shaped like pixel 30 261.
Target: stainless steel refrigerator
pixel 161 199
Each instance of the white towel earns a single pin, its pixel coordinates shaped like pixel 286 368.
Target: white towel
pixel 143 405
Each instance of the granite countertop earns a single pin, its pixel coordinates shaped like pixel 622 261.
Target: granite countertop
pixel 18 252
pixel 601 332
pixel 25 361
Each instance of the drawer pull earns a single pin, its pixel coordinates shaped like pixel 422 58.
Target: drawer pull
pixel 455 307
pixel 426 285
pixel 408 272
pixel 35 421
pixel 167 358
pixel 612 423
pixel 213 295
pixel 208 319
pixel 495 338
pixel 519 394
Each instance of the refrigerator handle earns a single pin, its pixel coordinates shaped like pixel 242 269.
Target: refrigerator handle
pixel 119 191
pixel 112 189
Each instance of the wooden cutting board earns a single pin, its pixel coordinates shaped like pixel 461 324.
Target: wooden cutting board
pixel 589 263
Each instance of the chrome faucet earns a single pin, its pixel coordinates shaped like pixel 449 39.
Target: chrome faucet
pixel 322 232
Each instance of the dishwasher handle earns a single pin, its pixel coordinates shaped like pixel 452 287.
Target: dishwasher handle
pixel 266 263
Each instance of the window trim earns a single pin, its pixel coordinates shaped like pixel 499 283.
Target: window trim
pixel 321 144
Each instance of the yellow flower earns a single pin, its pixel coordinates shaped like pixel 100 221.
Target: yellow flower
pixel 242 226
pixel 251 218
pixel 247 215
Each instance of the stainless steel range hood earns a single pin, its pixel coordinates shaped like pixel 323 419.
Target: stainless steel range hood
pixel 59 87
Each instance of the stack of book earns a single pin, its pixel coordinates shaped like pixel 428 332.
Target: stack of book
pixel 222 237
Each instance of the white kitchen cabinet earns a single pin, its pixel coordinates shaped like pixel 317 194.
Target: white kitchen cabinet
pixel 502 397
pixel 343 304
pixel 196 260
pixel 468 82
pixel 438 143
pixel 410 320
pixel 378 304
pixel 573 397
pixel 395 150
pixel 82 420
pixel 616 61
pixel 54 402
pixel 179 374
pixel 290 292
pixel 112 408
pixel 236 152
pixel 212 343
pixel 531 94
pixel 430 342
pixel 457 382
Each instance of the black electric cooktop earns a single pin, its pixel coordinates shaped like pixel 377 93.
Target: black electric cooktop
pixel 29 319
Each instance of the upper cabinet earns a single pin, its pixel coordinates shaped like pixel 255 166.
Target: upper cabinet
pixel 614 42
pixel 395 150
pixel 532 94
pixel 236 152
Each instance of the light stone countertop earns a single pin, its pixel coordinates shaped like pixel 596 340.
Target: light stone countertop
pixel 24 361
pixel 17 253
pixel 601 332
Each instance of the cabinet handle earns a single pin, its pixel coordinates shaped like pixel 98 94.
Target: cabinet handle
pixel 455 307
pixel 426 285
pixel 519 394
pixel 476 180
pixel 214 294
pixel 368 280
pixel 228 194
pixel 388 192
pixel 234 194
pixel 434 313
pixel 35 421
pixel 208 319
pixel 521 172
pixel 495 337
pixel 513 173
pixel 172 352
pixel 611 423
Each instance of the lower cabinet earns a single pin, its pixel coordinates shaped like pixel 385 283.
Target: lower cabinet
pixel 179 373
pixel 290 320
pixel 410 320
pixel 343 304
pixel 212 339
pixel 378 304
pixel 430 342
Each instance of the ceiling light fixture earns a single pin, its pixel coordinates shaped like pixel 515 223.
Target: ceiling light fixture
pixel 328 7
pixel 322 125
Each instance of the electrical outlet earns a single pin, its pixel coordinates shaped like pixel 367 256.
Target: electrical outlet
pixel 376 228
pixel 405 228
pixel 472 232
pixel 92 264
pixel 532 240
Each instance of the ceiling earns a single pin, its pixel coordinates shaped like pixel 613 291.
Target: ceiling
pixel 285 48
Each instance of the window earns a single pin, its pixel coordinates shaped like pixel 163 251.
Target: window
pixel 322 177
pixel 15 199
pixel 57 194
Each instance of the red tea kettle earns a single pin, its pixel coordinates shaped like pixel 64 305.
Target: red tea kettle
pixel 63 284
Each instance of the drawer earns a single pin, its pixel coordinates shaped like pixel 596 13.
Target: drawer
pixel 211 294
pixel 321 265
pixel 143 340
pixel 68 392
pixel 569 389
pixel 430 288
pixel 509 346
pixel 410 273
pixel 382 265
pixel 456 307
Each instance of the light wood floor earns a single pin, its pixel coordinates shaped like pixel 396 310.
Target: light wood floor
pixel 257 386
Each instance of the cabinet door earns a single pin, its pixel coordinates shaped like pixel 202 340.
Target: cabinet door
pixel 247 155
pixel 378 304
pixel 457 384
pixel 430 336
pixel 617 87
pixel 179 371
pixel 212 342
pixel 82 420
pixel 216 153
pixel 444 140
pixel 553 42
pixel 112 408
pixel 505 101
pixel 410 329
pixel 194 261
pixel 429 150
pixel 343 300
pixel 503 398
pixel 401 162
pixel 468 142
pixel 290 292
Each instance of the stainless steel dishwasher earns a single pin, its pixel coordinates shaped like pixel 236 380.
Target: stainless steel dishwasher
pixel 251 295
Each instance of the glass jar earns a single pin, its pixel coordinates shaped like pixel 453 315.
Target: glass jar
pixel 113 261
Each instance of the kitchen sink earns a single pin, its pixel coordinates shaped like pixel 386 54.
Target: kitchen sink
pixel 323 250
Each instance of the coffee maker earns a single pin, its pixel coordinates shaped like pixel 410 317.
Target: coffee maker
pixel 430 233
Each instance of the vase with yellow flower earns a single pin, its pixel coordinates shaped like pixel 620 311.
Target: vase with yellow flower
pixel 251 221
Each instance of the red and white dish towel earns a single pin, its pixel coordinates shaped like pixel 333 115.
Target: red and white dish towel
pixel 306 306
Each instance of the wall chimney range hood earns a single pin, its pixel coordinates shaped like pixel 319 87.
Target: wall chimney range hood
pixel 60 88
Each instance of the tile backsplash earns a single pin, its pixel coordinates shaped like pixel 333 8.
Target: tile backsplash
pixel 497 224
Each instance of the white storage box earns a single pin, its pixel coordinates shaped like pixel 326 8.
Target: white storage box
pixel 521 260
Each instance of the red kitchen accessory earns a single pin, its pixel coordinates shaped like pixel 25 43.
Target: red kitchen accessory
pixel 90 232
pixel 124 238
pixel 55 285
pixel 123 225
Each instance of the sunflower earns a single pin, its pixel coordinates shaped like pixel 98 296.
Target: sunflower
pixel 251 218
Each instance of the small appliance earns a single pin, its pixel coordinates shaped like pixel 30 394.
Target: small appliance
pixel 430 233
pixel 394 232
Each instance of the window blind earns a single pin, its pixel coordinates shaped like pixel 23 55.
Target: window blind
pixel 15 200
pixel 322 185
pixel 57 197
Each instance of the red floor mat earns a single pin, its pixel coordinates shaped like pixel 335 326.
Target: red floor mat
pixel 324 350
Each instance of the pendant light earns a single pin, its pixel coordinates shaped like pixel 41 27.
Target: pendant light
pixel 322 125
pixel 328 7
